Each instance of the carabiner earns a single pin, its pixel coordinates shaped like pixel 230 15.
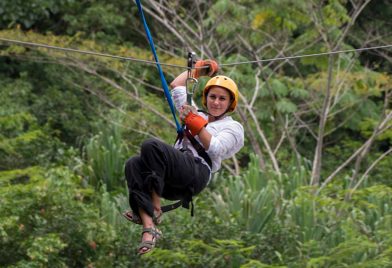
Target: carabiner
pixel 191 82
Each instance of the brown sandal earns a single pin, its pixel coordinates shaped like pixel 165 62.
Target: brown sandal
pixel 132 217
pixel 149 244
pixel 129 215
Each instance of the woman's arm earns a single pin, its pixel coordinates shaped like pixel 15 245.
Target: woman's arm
pixel 202 68
pixel 205 138
pixel 180 80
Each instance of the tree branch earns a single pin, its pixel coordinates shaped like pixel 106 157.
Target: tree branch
pixel 317 161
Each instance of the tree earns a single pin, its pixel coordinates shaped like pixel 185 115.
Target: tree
pixel 282 101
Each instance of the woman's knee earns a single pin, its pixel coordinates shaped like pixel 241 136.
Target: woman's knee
pixel 131 161
pixel 131 164
pixel 149 146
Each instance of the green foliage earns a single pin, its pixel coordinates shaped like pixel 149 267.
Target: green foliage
pixel 286 106
pixel 197 253
pixel 103 20
pixel 28 13
pixel 23 141
pixel 279 88
pixel 325 230
pixel 54 102
pixel 111 207
pixel 100 21
pixel 259 219
pixel 255 198
pixel 105 157
pixel 364 26
pixel 44 250
pixel 346 230
pixel 44 221
pixel 250 200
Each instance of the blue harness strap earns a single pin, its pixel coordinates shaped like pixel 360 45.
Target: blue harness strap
pixel 163 80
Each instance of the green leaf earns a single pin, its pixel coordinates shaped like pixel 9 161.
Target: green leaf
pixel 299 93
pixel 286 106
pixel 279 88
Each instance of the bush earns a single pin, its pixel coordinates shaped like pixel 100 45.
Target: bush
pixel 45 221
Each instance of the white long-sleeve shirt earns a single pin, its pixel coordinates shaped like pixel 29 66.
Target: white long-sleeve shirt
pixel 227 134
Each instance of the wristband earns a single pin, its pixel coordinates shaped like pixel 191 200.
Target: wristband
pixel 195 123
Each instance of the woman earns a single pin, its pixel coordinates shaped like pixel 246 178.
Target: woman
pixel 180 172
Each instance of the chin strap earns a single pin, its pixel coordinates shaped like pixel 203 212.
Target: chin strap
pixel 215 117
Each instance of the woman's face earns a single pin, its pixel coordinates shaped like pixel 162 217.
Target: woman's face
pixel 218 100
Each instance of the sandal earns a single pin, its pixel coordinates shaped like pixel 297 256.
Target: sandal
pixel 149 244
pixel 157 219
pixel 129 215
pixel 132 217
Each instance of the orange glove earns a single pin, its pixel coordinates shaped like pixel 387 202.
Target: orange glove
pixel 210 69
pixel 195 123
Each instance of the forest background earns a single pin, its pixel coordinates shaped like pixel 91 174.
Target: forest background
pixel 311 187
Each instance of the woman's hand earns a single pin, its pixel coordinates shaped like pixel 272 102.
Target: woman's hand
pixel 185 110
pixel 193 121
pixel 206 68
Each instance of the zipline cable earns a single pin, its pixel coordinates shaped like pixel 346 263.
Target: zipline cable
pixel 22 43
pixel 307 55
pixel 162 76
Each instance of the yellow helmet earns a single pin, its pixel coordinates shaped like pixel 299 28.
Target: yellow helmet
pixel 225 82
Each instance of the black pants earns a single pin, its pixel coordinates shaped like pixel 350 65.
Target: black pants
pixel 172 174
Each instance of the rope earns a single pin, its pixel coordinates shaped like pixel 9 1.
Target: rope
pixel 185 67
pixel 163 80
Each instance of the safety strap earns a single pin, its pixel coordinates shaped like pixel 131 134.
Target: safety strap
pixel 171 206
pixel 183 203
pixel 199 148
pixel 163 80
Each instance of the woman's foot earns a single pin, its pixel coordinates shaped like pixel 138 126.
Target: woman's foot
pixel 157 219
pixel 132 217
pixel 150 235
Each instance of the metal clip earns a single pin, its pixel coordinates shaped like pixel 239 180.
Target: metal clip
pixel 191 82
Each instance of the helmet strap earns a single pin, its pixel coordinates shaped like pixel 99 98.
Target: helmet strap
pixel 215 117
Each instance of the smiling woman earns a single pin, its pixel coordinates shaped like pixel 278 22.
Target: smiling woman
pixel 218 100
pixel 224 89
pixel 183 171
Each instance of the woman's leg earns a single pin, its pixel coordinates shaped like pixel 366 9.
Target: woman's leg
pixel 158 165
pixel 147 236
pixel 139 197
pixel 156 202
